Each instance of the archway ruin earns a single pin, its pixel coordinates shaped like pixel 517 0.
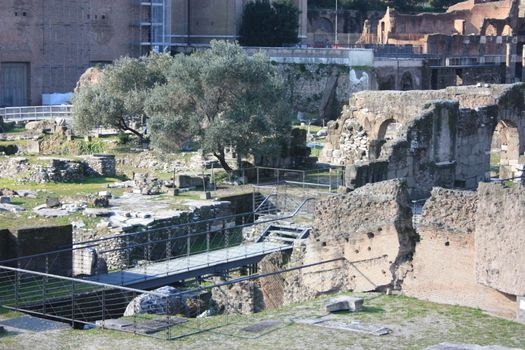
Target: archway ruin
pixel 504 151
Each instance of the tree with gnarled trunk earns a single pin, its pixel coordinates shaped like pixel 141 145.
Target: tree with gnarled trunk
pixel 223 99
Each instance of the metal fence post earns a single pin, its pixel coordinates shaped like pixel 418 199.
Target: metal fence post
pixel 72 304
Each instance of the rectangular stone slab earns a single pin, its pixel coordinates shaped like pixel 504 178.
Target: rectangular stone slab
pixel 344 303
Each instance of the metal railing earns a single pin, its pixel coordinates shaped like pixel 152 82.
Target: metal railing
pixel 329 177
pixel 31 113
pixel 167 314
pixel 137 257
pixel 466 60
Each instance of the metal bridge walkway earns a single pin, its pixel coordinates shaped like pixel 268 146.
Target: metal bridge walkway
pixel 165 272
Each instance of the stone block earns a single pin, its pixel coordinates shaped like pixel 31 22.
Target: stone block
pixel 101 202
pixel 344 303
pixel 7 249
pixel 521 309
pixel 185 181
pixel 52 202
pixel 44 239
pixel 206 195
pixel 105 194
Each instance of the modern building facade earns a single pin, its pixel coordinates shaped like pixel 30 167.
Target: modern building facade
pixel 45 45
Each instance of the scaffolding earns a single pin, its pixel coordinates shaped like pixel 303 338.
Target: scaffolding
pixel 154 26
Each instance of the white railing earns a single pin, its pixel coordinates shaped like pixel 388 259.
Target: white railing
pixel 35 113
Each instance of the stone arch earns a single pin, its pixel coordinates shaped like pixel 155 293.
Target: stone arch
pixel 407 83
pixel 382 33
pixel 507 30
pixel 323 25
pixel 505 150
pixel 491 30
pixel 387 83
pixel 387 131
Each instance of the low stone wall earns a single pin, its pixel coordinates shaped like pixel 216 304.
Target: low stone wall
pixel 117 257
pixel 444 262
pixel 37 240
pixel 6 245
pixel 47 169
pixel 100 165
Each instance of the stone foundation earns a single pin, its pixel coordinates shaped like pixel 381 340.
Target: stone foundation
pixel 46 169
pixel 100 165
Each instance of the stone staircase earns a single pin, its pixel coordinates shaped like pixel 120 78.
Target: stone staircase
pixel 279 233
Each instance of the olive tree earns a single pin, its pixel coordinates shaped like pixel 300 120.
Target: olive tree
pixel 223 99
pixel 118 97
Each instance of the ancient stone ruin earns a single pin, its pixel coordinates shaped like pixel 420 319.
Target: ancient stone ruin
pixel 430 138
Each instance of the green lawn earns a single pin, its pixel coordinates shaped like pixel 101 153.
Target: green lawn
pixel 415 324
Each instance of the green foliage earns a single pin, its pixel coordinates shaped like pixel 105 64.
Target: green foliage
pixel 123 138
pixel 225 99
pixel 59 145
pixel 118 97
pixel 90 147
pixel 266 23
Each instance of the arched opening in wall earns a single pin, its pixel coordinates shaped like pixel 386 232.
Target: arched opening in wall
pixel 406 82
pixel 323 25
pixel 507 30
pixel 491 30
pixel 387 132
pixel 504 151
pixel 459 77
pixel 382 38
pixel 323 31
pixel 388 83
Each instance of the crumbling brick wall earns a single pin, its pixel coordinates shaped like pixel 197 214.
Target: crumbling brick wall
pixel 444 262
pixel 370 228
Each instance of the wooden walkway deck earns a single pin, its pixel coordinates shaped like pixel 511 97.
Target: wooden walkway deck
pixel 161 273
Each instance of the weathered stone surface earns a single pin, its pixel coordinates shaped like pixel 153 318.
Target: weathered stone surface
pixel 7 249
pixel 184 181
pixel 444 261
pixel 141 326
pixel 431 138
pixel 521 309
pixel 343 303
pixel 100 165
pixel 48 169
pixel 354 326
pixel 371 228
pixel 52 202
pixel 37 240
pixel 101 202
pixel 239 298
pixel 500 239
pixel 172 303
pixel 11 207
pixel 91 76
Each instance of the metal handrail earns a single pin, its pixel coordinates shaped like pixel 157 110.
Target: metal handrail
pixel 36 112
pixel 84 281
